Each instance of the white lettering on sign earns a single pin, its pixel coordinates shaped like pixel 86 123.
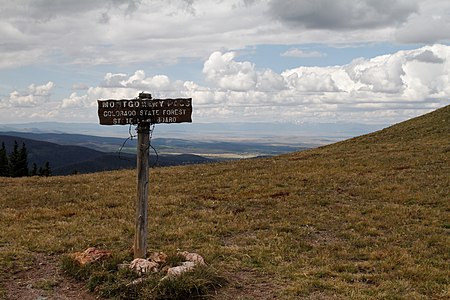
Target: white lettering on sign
pixel 149 112
pixel 135 111
pixel 174 112
pixel 166 120
pixel 119 113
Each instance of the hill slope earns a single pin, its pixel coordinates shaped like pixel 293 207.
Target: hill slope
pixel 67 159
pixel 366 218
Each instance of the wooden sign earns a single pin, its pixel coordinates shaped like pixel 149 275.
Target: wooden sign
pixel 143 112
pixel 136 111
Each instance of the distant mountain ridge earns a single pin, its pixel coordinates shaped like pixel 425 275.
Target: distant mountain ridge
pixel 68 153
pixel 93 142
pixel 69 159
pixel 167 145
pixel 218 129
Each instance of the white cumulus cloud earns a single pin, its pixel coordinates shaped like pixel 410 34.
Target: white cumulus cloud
pixel 119 86
pixel 137 81
pixel 34 95
pixel 384 89
pixel 226 73
pixel 383 86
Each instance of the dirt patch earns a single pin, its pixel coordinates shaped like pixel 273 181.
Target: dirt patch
pixel 45 281
pixel 248 285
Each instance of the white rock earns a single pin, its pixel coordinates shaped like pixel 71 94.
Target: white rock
pixel 142 266
pixel 192 257
pixel 188 264
pixel 177 271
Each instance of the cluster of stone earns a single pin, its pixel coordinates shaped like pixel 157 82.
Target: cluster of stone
pixel 192 260
pixel 153 264
pixel 143 266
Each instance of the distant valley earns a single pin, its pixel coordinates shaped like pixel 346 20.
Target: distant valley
pixel 213 149
pixel 87 148
pixel 72 159
pixel 76 153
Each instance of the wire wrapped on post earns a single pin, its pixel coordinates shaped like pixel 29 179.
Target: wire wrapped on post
pixel 152 129
pixel 130 137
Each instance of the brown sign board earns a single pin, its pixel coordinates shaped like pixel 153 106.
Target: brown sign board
pixel 136 111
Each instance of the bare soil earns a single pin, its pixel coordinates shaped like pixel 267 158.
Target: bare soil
pixel 45 281
pixel 248 285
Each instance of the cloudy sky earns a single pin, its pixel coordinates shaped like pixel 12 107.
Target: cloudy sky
pixel 370 61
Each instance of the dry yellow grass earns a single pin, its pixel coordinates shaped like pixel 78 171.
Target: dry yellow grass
pixel 366 218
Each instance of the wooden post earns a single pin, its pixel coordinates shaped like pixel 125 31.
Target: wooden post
pixel 140 238
pixel 143 111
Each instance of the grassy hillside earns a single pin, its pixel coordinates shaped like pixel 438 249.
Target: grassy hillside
pixel 367 218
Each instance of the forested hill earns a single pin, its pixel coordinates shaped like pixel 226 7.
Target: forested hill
pixel 68 159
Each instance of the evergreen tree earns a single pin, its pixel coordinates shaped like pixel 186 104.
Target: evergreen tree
pixel 47 170
pixel 34 171
pixel 23 162
pixel 14 161
pixel 4 161
pixel 18 161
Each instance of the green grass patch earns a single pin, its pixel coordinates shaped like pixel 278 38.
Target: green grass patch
pixel 107 280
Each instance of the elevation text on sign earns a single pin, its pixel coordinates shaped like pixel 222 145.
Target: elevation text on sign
pixel 153 111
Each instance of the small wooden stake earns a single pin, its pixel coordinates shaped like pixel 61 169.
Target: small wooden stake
pixel 141 230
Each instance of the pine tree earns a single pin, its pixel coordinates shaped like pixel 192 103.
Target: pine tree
pixel 34 171
pixel 23 162
pixel 14 161
pixel 18 161
pixel 4 161
pixel 47 170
